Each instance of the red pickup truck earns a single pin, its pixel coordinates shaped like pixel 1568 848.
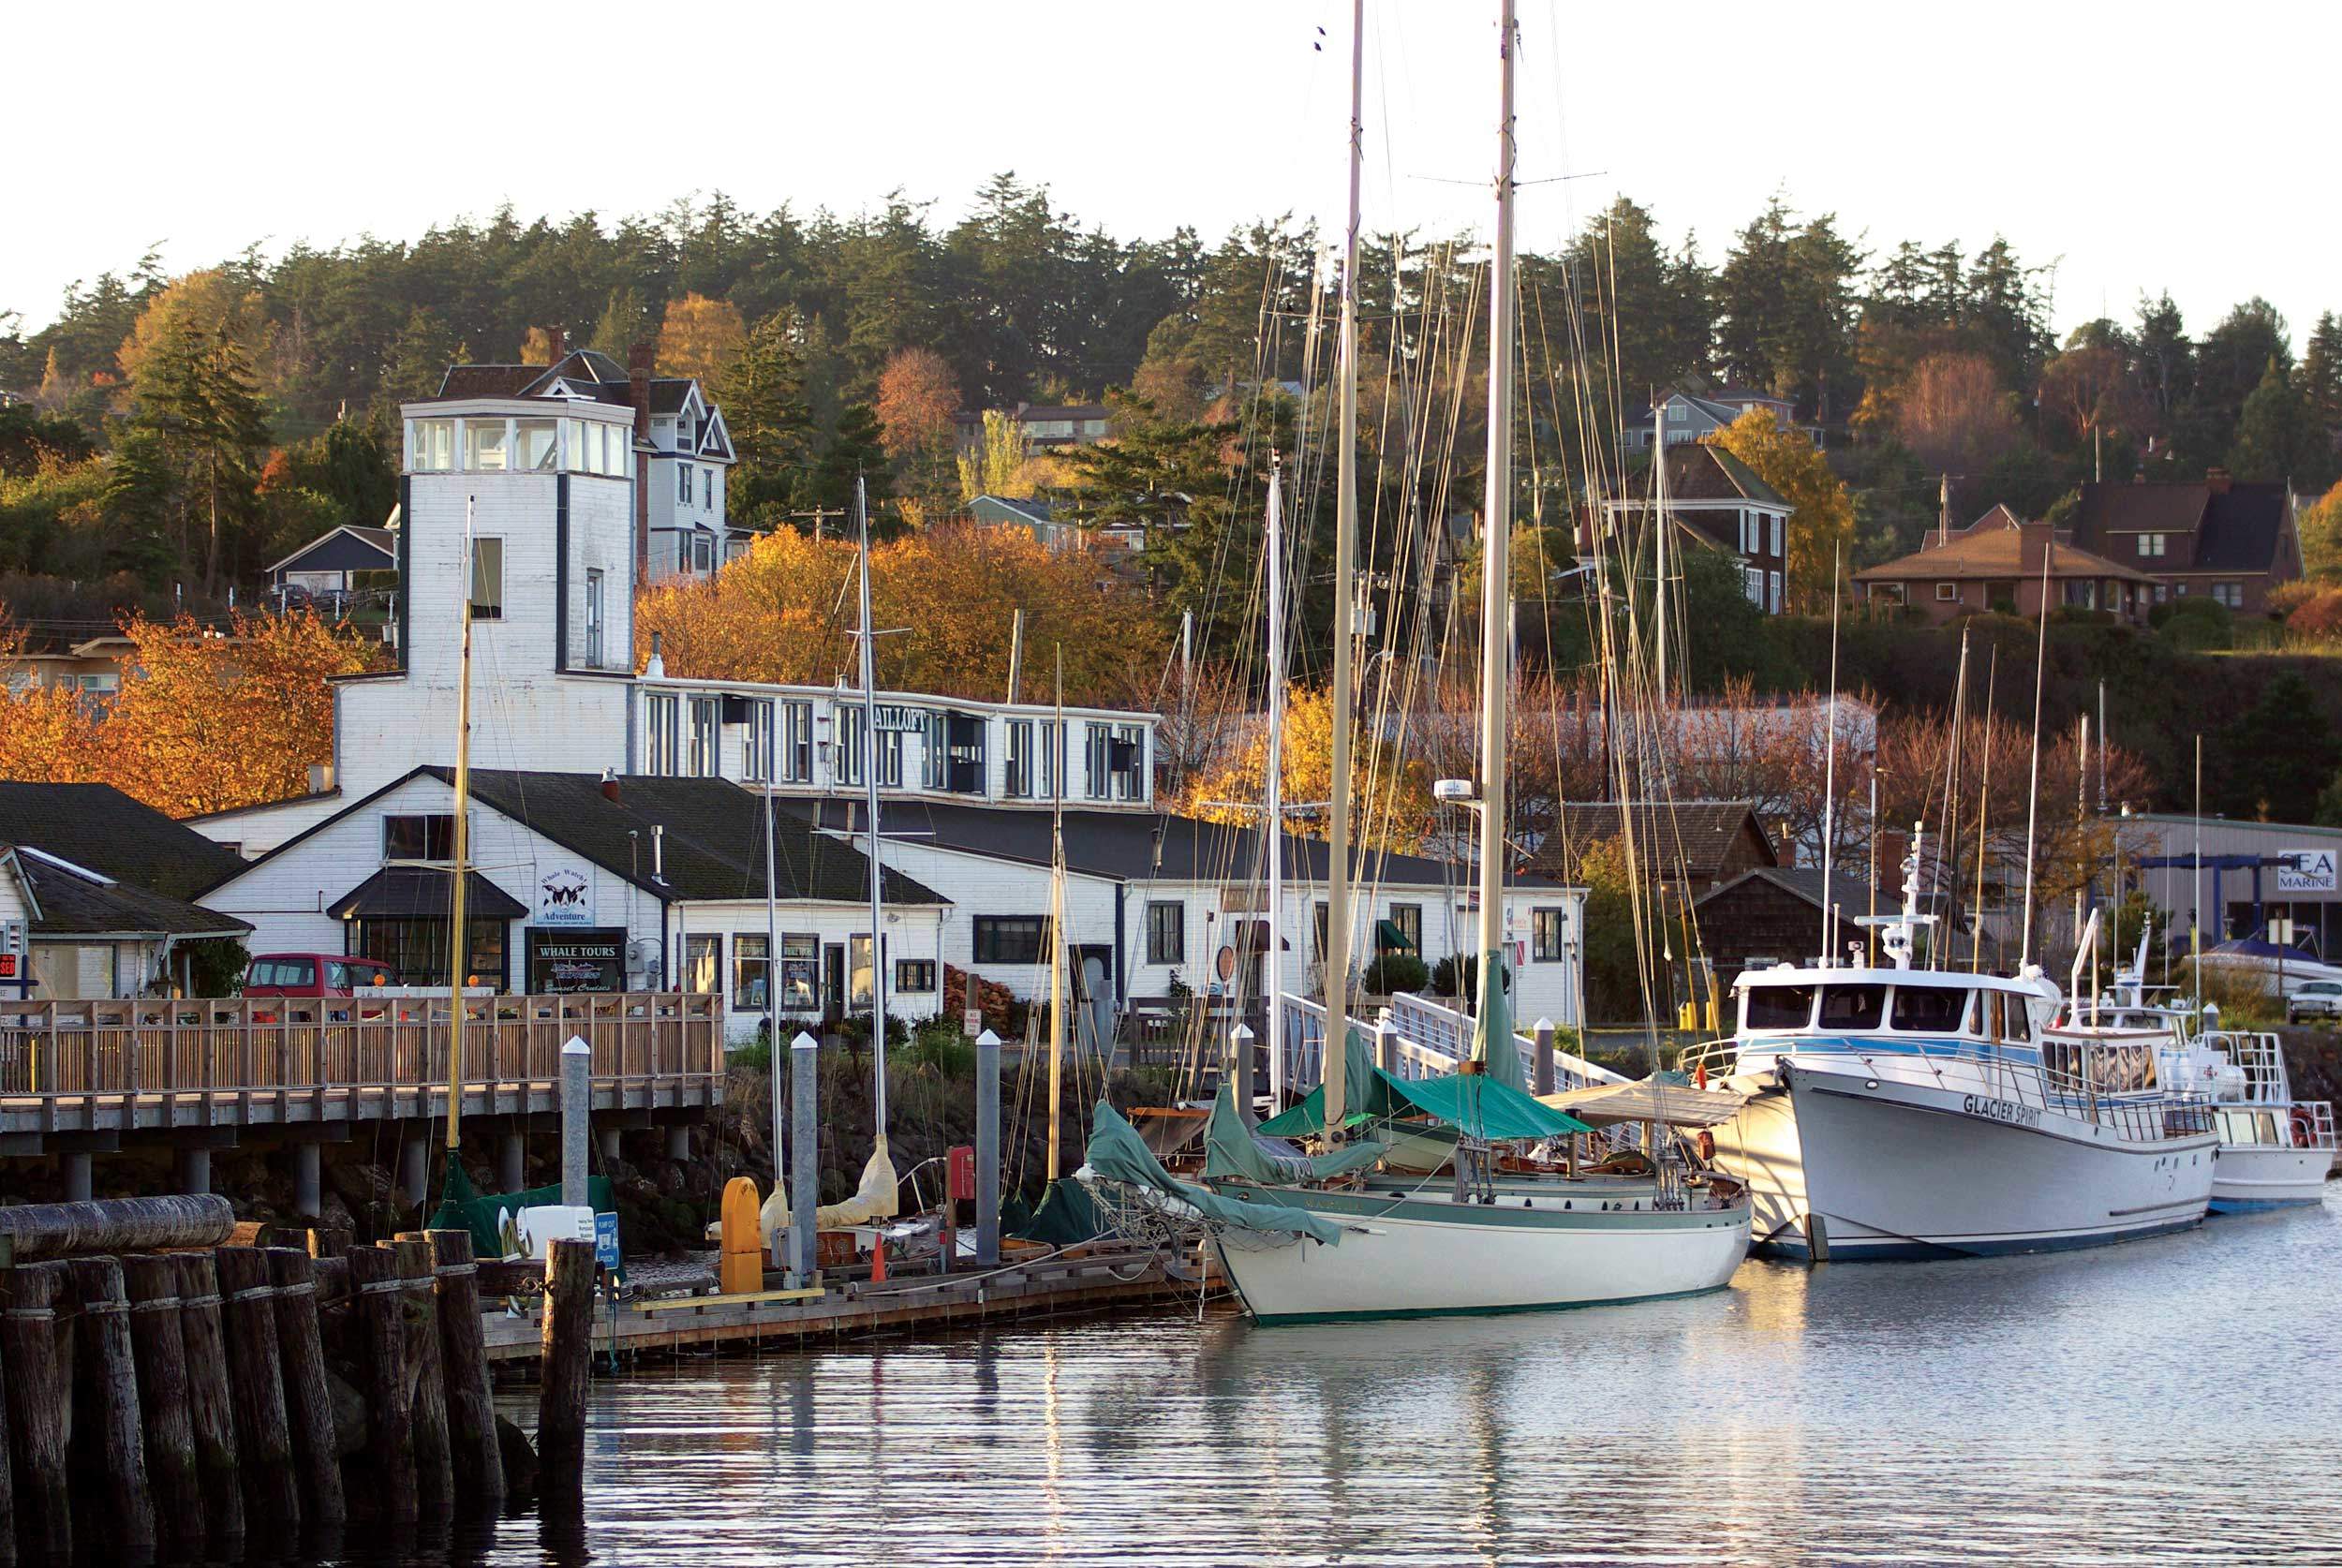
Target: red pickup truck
pixel 311 974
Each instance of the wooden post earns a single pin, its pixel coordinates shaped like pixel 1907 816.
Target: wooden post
pixel 564 1364
pixel 472 1417
pixel 255 1382
pixel 390 1402
pixel 108 1444
pixel 159 1346
pixel 209 1406
pixel 308 1402
pixel 35 1396
pixel 435 1471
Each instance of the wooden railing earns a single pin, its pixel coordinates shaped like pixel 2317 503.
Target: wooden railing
pixel 266 1044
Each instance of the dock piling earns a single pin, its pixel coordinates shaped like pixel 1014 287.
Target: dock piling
pixel 471 1419
pixel 159 1349
pixel 374 1282
pixel 804 1174
pixel 564 1363
pixel 308 1401
pixel 577 1088
pixel 1541 1061
pixel 987 1148
pixel 210 1407
pixel 435 1471
pixel 36 1394
pixel 109 1442
pixel 257 1385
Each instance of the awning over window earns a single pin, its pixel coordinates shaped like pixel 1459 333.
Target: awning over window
pixel 1389 936
pixel 422 893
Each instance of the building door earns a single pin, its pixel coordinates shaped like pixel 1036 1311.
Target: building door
pixel 832 982
pixel 1091 968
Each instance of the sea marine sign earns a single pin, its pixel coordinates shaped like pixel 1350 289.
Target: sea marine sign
pixel 2305 871
pixel 561 899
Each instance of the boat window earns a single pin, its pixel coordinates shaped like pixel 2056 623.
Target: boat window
pixel 1778 1007
pixel 2016 1018
pixel 1853 1007
pixel 2267 1122
pixel 2236 1127
pixel 1931 1009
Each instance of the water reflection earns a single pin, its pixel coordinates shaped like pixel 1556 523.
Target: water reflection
pixel 2170 1399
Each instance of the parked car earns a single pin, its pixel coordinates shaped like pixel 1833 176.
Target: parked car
pixel 2315 999
pixel 311 974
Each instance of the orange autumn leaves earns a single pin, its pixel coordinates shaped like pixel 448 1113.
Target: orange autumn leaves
pixel 207 723
pixel 786 612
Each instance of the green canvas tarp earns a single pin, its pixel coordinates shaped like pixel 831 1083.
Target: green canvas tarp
pixel 1367 1096
pixel 1478 1103
pixel 1117 1153
pixel 462 1210
pixel 1231 1151
pixel 1066 1217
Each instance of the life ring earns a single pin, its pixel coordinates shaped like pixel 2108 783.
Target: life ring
pixel 1707 1145
pixel 2305 1127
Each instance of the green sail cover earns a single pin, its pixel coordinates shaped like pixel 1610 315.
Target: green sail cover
pixel 1492 1029
pixel 1229 1150
pixel 1066 1217
pixel 1484 1106
pixel 1117 1153
pixel 1375 1104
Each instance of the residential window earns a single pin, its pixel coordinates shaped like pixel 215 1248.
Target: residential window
pixel 484 445
pixel 1947 593
pixel 800 971
pixel 850 734
pixel 1052 756
pixel 1546 928
pixel 1118 759
pixel 1780 525
pixel 540 445
pixel 707 487
pixel 683 483
pixel 1775 578
pixel 1409 919
pixel 430 445
pixel 1753 579
pixel 1009 939
pixel 707 754
pixel 858 970
pixel 429 835
pixel 935 770
pixel 2151 544
pixel 1678 414
pixel 487 579
pixel 758 764
pixel 751 971
pixel 1018 778
pixel 963 753
pixel 796 742
pixel 703 552
pixel 596 589
pixel 702 963
pixel 659 723
pixel 913 976
pixel 1166 932
pixel 2229 594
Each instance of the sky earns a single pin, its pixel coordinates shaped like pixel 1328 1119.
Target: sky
pixel 2145 148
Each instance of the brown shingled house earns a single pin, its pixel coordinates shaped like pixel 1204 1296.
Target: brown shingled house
pixel 1990 564
pixel 1696 845
pixel 2221 540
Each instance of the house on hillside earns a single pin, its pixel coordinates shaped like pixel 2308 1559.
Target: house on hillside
pixel 1689 417
pixel 1716 496
pixel 331 564
pixel 96 894
pixel 1036 515
pixel 2219 539
pixel 1692 846
pixel 1997 567
pixel 1773 914
pixel 95 667
pixel 1044 427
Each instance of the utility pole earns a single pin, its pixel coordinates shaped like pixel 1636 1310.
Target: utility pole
pixel 818 515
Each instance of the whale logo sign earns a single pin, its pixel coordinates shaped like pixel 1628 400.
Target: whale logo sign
pixel 561 900
pixel 2306 871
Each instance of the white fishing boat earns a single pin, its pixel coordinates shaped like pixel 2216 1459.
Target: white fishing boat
pixel 2278 968
pixel 1900 1111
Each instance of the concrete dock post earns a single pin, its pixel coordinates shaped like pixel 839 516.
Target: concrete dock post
pixel 414 1169
pixel 76 1171
pixel 1386 1042
pixel 606 1139
pixel 1541 1063
pixel 987 1148
pixel 1240 1070
pixel 679 1141
pixel 195 1170
pixel 577 1088
pixel 513 1162
pixel 308 1179
pixel 805 1173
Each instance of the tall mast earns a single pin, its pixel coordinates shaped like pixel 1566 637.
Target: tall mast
pixel 1829 783
pixel 2033 790
pixel 1273 814
pixel 1493 1027
pixel 1337 987
pixel 1057 924
pixel 1659 601
pixel 870 812
pixel 772 953
pixel 460 855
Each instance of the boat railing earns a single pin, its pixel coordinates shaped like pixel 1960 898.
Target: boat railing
pixel 2007 1085
pixel 1718 1057
pixel 2261 1057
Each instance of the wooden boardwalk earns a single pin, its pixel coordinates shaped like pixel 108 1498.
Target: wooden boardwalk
pixel 120 1068
pixel 1096 1281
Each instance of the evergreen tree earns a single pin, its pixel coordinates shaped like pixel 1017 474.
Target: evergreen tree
pixel 2278 757
pixel 857 449
pixel 763 393
pixel 2279 438
pixel 2321 372
pixel 195 397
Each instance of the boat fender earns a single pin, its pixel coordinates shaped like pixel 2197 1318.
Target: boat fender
pixel 1707 1145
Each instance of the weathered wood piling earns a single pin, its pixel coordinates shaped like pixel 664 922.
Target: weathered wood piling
pixel 565 1364
pixel 177 1400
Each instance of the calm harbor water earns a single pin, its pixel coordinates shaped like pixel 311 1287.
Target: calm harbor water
pixel 2173 1400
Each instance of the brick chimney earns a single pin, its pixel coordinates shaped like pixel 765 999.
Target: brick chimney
pixel 2215 480
pixel 1894 844
pixel 638 368
pixel 610 787
pixel 559 338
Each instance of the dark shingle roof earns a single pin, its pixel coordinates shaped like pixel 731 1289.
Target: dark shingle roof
pixel 1692 838
pixel 714 844
pixel 347 548
pixel 667 393
pixel 1852 894
pixel 487 380
pixel 98 826
pixel 422 892
pixel 74 905
pixel 1130 846
pixel 2236 531
pixel 1698 472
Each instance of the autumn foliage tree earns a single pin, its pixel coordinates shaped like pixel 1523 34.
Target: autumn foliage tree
pixel 916 404
pixel 1822 524
pixel 699 337
pixel 207 723
pixel 783 613
pixel 1391 787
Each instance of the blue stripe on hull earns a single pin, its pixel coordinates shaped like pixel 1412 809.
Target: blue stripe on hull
pixel 1912 1251
pixel 2260 1206
pixel 1284 1319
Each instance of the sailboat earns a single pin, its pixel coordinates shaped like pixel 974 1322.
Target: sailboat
pixel 1311 1237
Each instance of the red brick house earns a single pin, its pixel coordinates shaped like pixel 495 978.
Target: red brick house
pixel 2221 539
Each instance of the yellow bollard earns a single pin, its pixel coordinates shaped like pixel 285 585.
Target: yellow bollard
pixel 742 1270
